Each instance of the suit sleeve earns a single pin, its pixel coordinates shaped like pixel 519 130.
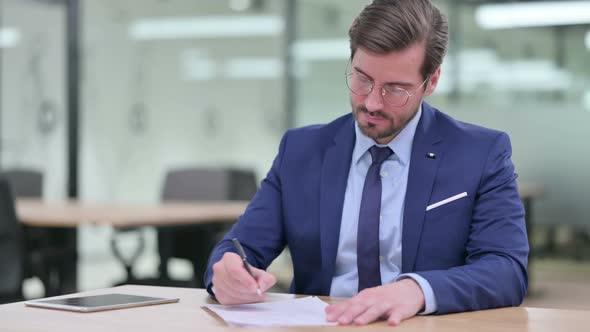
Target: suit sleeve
pixel 495 270
pixel 260 228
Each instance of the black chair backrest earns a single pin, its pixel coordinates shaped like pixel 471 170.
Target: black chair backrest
pixel 209 184
pixel 11 268
pixel 194 242
pixel 25 183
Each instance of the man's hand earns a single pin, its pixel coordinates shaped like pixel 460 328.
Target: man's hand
pixel 234 285
pixel 395 302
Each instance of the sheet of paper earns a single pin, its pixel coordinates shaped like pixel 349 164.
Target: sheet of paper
pixel 307 311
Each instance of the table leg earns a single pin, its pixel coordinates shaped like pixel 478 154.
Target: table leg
pixel 128 262
pixel 70 283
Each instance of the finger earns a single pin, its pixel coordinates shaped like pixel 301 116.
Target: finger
pixel 223 281
pixel 395 318
pixel 227 293
pixel 222 295
pixel 236 289
pixel 349 311
pixel 222 292
pixel 237 273
pixel 372 314
pixel 224 298
pixel 228 299
pixel 335 310
pixel 352 312
pixel 264 279
pixel 227 288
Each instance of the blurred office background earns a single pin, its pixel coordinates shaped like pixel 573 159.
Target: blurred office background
pixel 104 96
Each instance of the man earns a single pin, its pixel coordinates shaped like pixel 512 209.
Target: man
pixel 397 205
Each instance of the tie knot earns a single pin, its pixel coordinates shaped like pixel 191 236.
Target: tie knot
pixel 379 154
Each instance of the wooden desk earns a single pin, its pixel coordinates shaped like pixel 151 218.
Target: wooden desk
pixel 73 213
pixel 187 315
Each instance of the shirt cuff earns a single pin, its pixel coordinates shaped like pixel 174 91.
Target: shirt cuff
pixel 211 291
pixel 430 304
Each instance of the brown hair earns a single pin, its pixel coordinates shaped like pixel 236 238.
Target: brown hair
pixel 385 26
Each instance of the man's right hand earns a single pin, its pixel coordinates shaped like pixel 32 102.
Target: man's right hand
pixel 234 285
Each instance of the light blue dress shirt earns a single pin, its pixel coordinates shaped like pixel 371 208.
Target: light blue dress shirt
pixel 394 180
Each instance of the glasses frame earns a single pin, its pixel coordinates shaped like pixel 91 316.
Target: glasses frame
pixel 348 74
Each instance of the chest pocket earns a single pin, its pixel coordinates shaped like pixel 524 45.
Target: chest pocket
pixel 447 207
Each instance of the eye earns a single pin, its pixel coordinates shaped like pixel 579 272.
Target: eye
pixel 395 91
pixel 363 79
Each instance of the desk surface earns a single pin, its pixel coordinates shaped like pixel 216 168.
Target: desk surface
pixel 74 213
pixel 187 315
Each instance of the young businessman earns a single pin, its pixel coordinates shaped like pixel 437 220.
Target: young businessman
pixel 396 205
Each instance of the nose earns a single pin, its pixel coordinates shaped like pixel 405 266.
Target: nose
pixel 374 100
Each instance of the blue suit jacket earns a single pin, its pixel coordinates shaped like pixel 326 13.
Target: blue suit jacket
pixel 473 251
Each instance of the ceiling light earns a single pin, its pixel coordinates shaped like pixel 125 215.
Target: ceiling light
pixel 207 27
pixel 197 65
pixel 532 14
pixel 9 37
pixel 253 68
pixel 321 49
pixel 240 5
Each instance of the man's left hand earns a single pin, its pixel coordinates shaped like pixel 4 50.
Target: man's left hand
pixel 395 302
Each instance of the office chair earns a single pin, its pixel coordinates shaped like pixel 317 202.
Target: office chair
pixel 11 261
pixel 24 183
pixel 48 253
pixel 195 242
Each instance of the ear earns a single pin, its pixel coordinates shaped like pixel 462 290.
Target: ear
pixel 432 82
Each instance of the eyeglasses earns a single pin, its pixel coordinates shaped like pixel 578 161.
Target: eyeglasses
pixel 361 85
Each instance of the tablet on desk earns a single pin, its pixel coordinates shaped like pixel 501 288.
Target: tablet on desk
pixel 99 302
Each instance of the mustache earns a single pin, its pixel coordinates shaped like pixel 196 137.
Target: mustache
pixel 363 109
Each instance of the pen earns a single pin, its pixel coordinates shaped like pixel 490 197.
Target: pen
pixel 242 254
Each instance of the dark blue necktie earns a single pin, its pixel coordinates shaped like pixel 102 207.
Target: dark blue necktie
pixel 367 242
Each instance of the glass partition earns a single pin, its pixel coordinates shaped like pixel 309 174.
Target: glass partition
pixel 530 81
pixel 32 110
pixel 177 83
pixel 171 84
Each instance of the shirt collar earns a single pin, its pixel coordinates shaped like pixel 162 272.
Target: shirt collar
pixel 401 144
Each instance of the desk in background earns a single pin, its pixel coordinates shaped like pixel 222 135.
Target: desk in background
pixel 71 214
pixel 187 315
pixel 75 213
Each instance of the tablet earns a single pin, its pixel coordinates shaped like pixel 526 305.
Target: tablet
pixel 99 302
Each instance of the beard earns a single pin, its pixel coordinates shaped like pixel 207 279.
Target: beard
pixel 372 130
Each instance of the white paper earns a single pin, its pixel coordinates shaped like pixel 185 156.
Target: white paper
pixel 307 311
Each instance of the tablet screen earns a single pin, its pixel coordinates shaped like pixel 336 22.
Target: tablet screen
pixel 100 302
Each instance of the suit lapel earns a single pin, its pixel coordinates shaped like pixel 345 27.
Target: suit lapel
pixel 334 178
pixel 420 182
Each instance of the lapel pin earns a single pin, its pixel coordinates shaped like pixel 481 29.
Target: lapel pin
pixel 431 155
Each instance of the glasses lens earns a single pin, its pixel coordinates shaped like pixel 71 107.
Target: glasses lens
pixel 362 86
pixel 358 85
pixel 396 97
